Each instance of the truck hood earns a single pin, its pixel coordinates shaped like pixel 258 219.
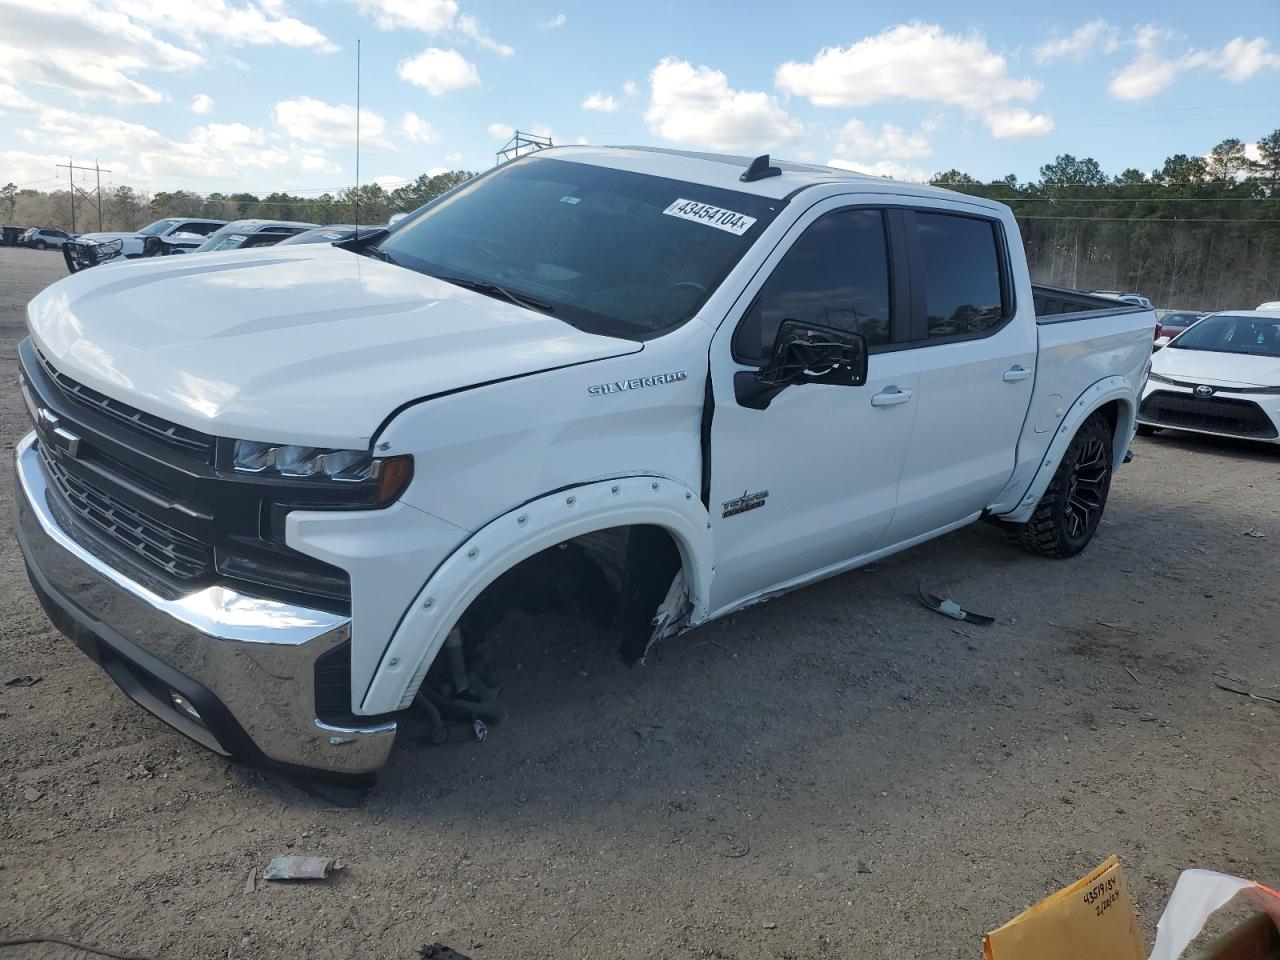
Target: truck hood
pixel 103 237
pixel 1218 369
pixel 308 344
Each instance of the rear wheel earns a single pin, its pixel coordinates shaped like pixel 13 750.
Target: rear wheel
pixel 41 245
pixel 1070 510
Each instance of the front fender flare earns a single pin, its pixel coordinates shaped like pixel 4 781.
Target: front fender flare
pixel 1105 391
pixel 518 535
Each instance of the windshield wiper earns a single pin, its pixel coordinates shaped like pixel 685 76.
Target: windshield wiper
pixel 379 254
pixel 494 290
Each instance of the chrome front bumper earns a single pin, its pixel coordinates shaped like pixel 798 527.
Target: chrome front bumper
pixel 243 664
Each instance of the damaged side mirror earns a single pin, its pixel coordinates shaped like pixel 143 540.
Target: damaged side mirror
pixel 804 353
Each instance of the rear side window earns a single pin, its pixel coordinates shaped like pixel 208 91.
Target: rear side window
pixel 836 274
pixel 200 229
pixel 961 272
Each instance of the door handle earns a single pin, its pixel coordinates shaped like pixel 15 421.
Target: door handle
pixel 890 397
pixel 1015 373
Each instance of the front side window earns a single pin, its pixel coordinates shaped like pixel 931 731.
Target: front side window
pixel 199 229
pixel 961 274
pixel 608 251
pixel 836 274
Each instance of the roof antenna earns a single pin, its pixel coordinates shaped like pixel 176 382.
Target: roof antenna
pixel 356 217
pixel 760 170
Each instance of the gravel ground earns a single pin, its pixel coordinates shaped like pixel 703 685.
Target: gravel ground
pixel 840 772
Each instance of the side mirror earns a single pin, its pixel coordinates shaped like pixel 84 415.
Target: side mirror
pixel 804 353
pixel 1160 344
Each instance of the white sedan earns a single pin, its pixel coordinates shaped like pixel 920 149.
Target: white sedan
pixel 1221 376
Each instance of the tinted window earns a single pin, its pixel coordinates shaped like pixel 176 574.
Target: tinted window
pixel 200 229
pixel 961 273
pixel 836 274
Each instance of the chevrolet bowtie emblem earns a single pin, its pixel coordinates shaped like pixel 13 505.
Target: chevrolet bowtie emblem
pixel 59 437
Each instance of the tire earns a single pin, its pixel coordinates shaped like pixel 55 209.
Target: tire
pixel 1146 431
pixel 41 245
pixel 1068 514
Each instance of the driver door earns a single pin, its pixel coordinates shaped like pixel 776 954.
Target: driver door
pixel 811 481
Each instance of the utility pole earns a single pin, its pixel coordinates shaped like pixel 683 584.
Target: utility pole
pixel 95 195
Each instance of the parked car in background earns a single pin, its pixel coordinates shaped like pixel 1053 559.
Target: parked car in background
pixel 333 233
pixel 1270 305
pixel 44 238
pixel 647 387
pixel 1170 323
pixel 92 249
pixel 243 234
pixel 1219 376
pixel 1137 299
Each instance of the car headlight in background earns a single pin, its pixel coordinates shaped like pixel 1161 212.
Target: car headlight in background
pixel 110 247
pixel 293 462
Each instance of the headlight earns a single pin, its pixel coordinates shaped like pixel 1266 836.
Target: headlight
pixel 1159 379
pixel 390 475
pixel 111 247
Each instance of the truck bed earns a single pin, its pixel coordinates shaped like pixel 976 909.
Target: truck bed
pixel 1059 304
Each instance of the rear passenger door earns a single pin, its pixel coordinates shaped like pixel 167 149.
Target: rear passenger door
pixel 975 349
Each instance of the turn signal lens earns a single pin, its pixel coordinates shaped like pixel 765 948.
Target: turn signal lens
pixel 394 474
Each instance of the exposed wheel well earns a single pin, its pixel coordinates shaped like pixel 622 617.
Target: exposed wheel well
pixel 615 578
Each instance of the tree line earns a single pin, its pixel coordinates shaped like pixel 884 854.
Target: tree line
pixel 126 209
pixel 1198 233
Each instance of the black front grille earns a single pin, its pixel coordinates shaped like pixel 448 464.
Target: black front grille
pixel 175 437
pixel 145 537
pixel 1241 418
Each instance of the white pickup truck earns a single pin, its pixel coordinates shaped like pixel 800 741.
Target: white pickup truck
pixel 281 495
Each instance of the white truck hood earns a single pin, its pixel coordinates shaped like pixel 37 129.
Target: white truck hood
pixel 309 344
pixel 103 237
pixel 1218 369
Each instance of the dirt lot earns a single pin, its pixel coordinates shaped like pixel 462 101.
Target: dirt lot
pixel 838 773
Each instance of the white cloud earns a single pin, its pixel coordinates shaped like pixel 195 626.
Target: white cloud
pixel 882 168
pixel 417 129
pixel 202 103
pixel 555 22
pixel 13 100
pixel 453 157
pixel 696 105
pixel 599 101
pixel 1147 73
pixel 436 171
pixel 429 16
pixel 630 89
pixel 389 182
pixel 1079 43
pixel 1153 69
pixel 245 23
pixel 85 50
pixel 1017 124
pixel 501 131
pixel 328 124
pixel 439 71
pixel 469 26
pixel 1238 60
pixel 892 141
pixel 915 61
pixel 217 155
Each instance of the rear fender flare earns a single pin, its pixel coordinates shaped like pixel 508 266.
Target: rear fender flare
pixel 518 535
pixel 1106 390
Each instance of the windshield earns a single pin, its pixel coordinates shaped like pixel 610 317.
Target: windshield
pixel 608 251
pixel 160 226
pixel 322 235
pixel 1225 333
pixel 223 239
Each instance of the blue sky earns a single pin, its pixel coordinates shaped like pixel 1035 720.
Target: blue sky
pixel 259 94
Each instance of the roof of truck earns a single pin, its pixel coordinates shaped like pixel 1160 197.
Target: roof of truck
pixel 724 170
